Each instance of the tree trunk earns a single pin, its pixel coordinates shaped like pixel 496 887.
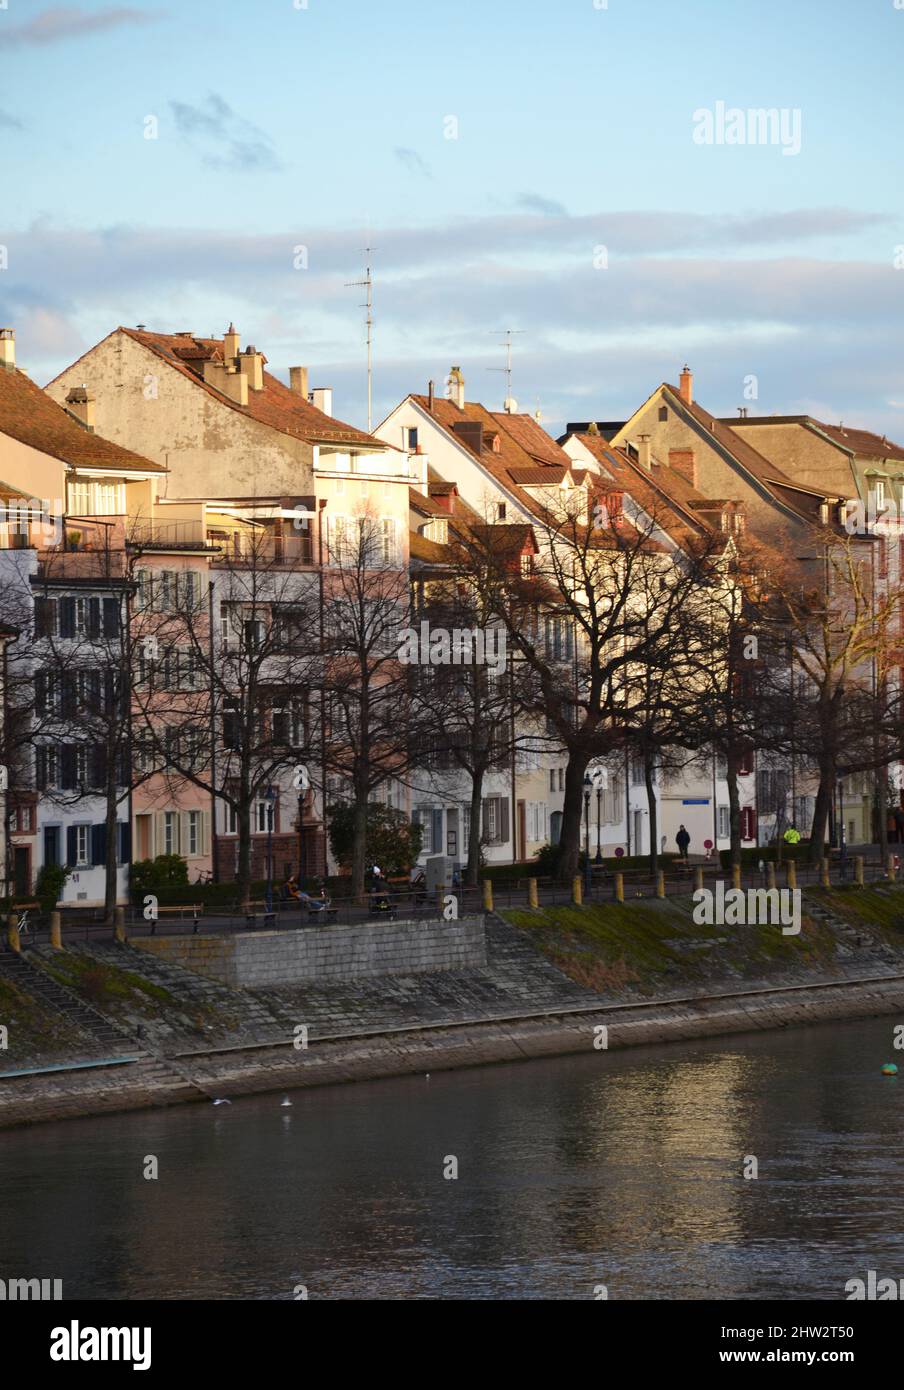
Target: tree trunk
pixel 110 877
pixel 473 870
pixel 882 812
pixel 243 870
pixel 734 809
pixel 359 842
pixel 654 820
pixel 572 810
pixel 821 809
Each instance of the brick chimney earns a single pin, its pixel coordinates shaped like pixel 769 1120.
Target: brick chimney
pixel 230 347
pixel 80 402
pixel 8 349
pixel 686 386
pixel 684 461
pixel 298 381
pixel 251 363
pixel 457 387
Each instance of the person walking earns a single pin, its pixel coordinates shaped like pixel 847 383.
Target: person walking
pixel 683 841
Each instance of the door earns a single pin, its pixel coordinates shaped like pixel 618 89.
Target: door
pixel 638 833
pixel 51 844
pixel 22 870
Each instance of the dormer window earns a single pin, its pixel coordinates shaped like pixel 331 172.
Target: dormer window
pixel 500 511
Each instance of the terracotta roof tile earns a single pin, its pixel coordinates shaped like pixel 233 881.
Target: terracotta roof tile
pixel 28 414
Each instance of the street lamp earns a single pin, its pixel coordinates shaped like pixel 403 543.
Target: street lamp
pixel 587 870
pixel 842 841
pixel 270 797
pixel 301 796
pixel 599 817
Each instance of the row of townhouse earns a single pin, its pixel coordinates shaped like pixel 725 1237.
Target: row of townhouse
pixel 176 453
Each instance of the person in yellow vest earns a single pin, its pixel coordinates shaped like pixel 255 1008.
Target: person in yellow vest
pixel 791 836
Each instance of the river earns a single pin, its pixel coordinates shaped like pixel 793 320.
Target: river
pixel 620 1169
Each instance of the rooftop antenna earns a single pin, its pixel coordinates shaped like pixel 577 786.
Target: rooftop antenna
pixel 509 333
pixel 368 304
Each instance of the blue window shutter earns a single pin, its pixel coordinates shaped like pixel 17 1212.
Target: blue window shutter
pixel 125 842
pixel 111 617
pixel 71 846
pixel 98 844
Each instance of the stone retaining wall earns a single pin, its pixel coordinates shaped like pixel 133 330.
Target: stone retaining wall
pixel 261 960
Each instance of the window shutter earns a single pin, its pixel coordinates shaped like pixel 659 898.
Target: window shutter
pixel 205 832
pixel 41 692
pixel 504 819
pixel 41 769
pixel 71 846
pixel 94 617
pixel 485 817
pixel 99 844
pixel 68 768
pixel 68 695
pixel 111 617
pixel 67 617
pixel 436 831
pixel 125 842
pixel 99 766
pixel 45 617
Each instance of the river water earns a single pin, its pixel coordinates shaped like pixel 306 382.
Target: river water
pixel 621 1169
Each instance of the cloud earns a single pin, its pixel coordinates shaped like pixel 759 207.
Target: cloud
pixel 533 202
pixel 781 298
pixel 226 140
pixel 8 122
pixel 413 162
pixel 69 22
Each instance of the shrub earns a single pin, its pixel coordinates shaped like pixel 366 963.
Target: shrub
pixel 166 871
pixel 393 841
pixel 49 885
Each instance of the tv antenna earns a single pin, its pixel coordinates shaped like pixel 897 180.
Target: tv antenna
pixel 509 333
pixel 368 284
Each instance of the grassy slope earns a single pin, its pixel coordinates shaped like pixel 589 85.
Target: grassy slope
pixel 643 946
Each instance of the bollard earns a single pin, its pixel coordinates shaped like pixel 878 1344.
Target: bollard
pixel 56 935
pixel 892 868
pixel 12 934
pixel 792 874
pixel 119 925
pixel 488 895
pixel 441 899
pixel 735 875
pixel 858 870
pixel 824 873
pixel 698 877
pixel 660 884
pixel 577 890
pixel 770 874
pixel 619 888
pixel 532 897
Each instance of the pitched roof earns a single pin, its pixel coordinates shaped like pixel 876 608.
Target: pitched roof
pixel 276 405
pixel 533 438
pixel 804 502
pixel 539 477
pixel 29 415
pixel 852 441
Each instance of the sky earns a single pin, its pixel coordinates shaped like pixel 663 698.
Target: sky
pixel 539 167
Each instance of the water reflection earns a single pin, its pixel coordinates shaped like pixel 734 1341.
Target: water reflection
pixel 624 1169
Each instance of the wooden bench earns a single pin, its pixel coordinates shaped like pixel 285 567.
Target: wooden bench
pixel 170 909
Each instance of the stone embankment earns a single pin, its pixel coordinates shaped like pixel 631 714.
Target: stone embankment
pixel 98 1028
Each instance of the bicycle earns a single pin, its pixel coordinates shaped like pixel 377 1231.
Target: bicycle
pixel 22 925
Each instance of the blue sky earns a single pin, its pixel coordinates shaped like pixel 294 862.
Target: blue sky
pixel 279 127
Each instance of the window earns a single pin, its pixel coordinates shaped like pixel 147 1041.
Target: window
pixel 500 511
pixel 663 413
pixel 79 498
pixel 412 439
pixel 82 846
pixel 559 645
pixel 264 815
pixel 637 772
pixel 527 564
pixel 193 837
pixel 232 821
pixel 388 540
pixel 144 597
pixel 724 823
pixel 109 499
pixel 773 785
pixel 340 487
pixel 561 779
pixel 423 816
pixel 495 819
pixel 552 779
pixel 748 823
pixel 170 832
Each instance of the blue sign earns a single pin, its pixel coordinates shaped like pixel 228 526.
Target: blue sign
pixel 695 801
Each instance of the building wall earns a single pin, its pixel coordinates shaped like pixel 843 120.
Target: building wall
pixel 805 457
pixel 211 449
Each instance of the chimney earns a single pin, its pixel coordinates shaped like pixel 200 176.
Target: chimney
pixel 684 461
pixel 686 386
pixel 298 381
pixel 232 383
pixel 431 395
pixel 645 452
pixel 251 363
pixel 322 398
pixel 230 346
pixel 8 349
pixel 457 387
pixel 80 402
